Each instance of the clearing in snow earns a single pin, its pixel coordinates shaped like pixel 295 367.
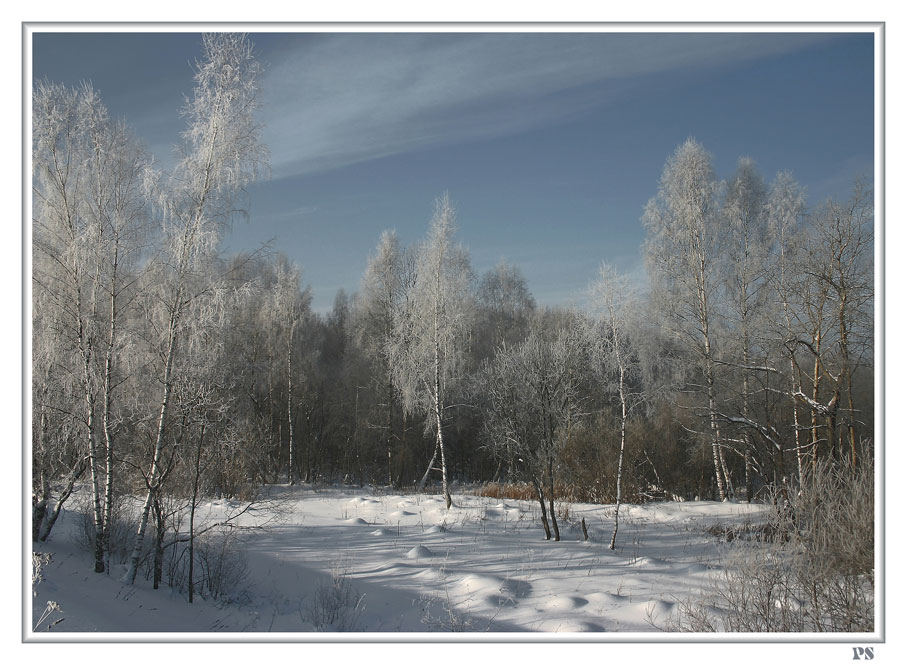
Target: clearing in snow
pixel 361 560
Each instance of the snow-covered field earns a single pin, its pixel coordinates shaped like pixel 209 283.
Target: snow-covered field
pixel 363 560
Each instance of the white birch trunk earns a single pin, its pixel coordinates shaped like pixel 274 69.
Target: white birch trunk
pixel 438 420
pixel 431 463
pixel 152 481
pixel 291 469
pixel 713 420
pixel 623 434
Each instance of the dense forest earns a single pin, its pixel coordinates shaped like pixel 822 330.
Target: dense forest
pixel 166 369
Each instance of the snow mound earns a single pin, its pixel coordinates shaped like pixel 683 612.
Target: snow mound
pixel 477 583
pixel 503 511
pixel 419 552
pixel 565 603
pixel 400 513
pixel 354 520
pixel 606 599
pixel 495 591
pixel 381 532
pixel 429 576
pixel 654 611
pixel 586 627
pixel 439 528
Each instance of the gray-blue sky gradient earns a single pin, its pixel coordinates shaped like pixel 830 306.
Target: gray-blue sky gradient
pixel 549 144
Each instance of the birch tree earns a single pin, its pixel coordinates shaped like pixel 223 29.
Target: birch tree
pixel 431 333
pixel 120 205
pixel 785 206
pixel 840 266
pixel 59 459
pixel 288 306
pixel 682 256
pixel 381 296
pixel 90 210
pixel 63 270
pixel 744 212
pixel 220 154
pixel 204 395
pixel 506 304
pixel 533 397
pixel 614 356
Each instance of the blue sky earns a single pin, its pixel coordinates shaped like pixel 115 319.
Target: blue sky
pixel 548 144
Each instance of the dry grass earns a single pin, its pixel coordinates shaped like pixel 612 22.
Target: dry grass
pixel 517 491
pixel 526 492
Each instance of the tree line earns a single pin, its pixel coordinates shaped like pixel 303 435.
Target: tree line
pixel 167 370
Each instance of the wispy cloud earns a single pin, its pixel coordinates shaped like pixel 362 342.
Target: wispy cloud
pixel 333 100
pixel 296 213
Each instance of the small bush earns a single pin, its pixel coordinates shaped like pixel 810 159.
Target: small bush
pixel 731 532
pixel 336 605
pixel 124 522
pixel 810 569
pixel 757 592
pixel 39 561
pixel 221 567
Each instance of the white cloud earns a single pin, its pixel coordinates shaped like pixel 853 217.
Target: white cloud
pixel 337 99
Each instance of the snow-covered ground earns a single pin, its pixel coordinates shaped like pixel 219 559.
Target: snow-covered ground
pixel 364 560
